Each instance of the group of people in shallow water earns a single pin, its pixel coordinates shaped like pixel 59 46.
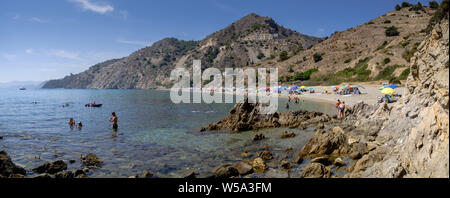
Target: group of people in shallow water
pixel 340 106
pixel 296 101
pixel 113 119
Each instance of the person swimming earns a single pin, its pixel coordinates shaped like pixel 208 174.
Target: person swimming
pixel 113 119
pixel 71 122
pixel 79 125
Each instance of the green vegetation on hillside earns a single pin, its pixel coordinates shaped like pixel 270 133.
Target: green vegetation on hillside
pixel 408 54
pixel 392 31
pixel 302 76
pixel 440 13
pixel 317 57
pixel 283 56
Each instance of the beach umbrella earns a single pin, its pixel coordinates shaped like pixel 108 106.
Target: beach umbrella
pixel 310 88
pixel 381 88
pixel 325 87
pixel 388 91
pixel 298 90
pixel 343 87
pixel 392 86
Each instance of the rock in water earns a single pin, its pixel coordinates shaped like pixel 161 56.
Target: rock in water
pixel 316 170
pixel 287 134
pixel 258 165
pixel 259 137
pixel 266 155
pixel 91 160
pixel 52 167
pixel 339 162
pixel 225 171
pixel 7 167
pixel 243 168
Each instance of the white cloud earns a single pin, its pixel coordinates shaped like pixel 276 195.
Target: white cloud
pixel 63 54
pixel 141 43
pixel 37 20
pixel 94 7
pixel 29 51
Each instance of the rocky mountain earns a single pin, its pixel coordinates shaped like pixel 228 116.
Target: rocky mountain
pixel 243 43
pixel 376 50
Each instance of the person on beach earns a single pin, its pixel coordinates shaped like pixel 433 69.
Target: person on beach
pixel 113 119
pixel 71 122
pixel 287 105
pixel 289 98
pixel 342 110
pixel 337 107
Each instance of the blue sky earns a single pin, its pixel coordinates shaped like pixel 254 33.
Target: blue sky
pixel 48 39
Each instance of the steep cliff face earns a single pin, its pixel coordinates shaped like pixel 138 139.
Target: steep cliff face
pixel 415 132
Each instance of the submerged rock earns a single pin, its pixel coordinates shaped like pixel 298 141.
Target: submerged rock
pixel 266 155
pixel 91 160
pixel 287 134
pixel 258 137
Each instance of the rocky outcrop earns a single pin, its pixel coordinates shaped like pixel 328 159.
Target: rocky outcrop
pixel 416 130
pixel 316 170
pixel 246 116
pixel 8 168
pixel 51 167
pixel 91 160
pixel 325 143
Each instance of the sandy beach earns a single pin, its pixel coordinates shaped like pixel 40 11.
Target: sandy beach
pixel 369 95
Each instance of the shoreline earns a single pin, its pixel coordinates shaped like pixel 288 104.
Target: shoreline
pixel 370 94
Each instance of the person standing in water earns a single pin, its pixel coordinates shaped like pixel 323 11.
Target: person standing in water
pixel 287 105
pixel 342 109
pixel 337 107
pixel 113 119
pixel 71 122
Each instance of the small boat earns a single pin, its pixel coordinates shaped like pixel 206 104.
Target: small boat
pixel 93 105
pixel 22 88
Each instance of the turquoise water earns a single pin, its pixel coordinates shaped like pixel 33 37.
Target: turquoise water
pixel 154 134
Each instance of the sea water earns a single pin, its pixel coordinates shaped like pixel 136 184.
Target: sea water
pixel 154 134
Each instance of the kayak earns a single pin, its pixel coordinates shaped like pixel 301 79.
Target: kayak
pixel 93 105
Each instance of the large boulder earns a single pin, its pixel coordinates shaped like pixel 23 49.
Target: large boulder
pixel 7 167
pixel 323 143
